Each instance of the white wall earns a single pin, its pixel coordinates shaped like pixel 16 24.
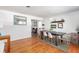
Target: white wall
pixel 15 31
pixel 70 24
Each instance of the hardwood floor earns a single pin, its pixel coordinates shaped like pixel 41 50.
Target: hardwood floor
pixel 73 48
pixel 36 45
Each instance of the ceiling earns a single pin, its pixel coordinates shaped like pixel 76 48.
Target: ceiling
pixel 41 11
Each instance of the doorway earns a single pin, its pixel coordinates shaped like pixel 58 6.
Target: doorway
pixel 36 26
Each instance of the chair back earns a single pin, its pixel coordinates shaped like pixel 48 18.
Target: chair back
pixel 45 33
pixel 50 35
pixel 67 37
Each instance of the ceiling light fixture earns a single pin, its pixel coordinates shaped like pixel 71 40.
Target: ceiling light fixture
pixel 28 6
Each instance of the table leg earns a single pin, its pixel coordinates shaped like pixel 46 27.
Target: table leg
pixel 56 41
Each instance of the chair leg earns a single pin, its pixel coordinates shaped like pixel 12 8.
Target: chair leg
pixel 49 40
pixel 43 38
pixel 54 41
pixel 58 41
pixel 68 43
pixel 46 38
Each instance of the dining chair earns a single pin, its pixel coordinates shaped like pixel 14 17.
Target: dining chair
pixel 66 38
pixel 75 38
pixel 45 36
pixel 58 38
pixel 51 38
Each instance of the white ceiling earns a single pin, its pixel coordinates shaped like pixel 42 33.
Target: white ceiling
pixel 42 11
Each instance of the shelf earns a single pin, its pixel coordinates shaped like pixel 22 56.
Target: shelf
pixel 57 21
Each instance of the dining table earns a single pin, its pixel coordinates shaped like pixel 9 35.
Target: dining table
pixel 57 34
